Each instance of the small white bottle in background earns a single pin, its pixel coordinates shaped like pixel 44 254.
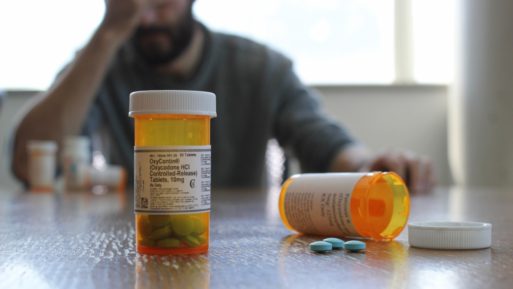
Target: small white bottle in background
pixel 76 152
pixel 41 165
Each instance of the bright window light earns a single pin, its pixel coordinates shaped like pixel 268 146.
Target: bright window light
pixel 434 36
pixel 330 41
pixel 39 37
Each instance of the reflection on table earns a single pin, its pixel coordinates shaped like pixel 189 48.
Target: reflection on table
pixel 82 240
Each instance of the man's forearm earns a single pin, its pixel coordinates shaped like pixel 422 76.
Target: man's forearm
pixel 62 109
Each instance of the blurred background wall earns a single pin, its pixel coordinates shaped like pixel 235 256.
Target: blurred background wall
pixel 481 99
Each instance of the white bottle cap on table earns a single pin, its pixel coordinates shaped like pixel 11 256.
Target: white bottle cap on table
pixel 450 235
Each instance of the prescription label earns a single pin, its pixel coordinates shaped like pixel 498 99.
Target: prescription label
pixel 320 204
pixel 172 179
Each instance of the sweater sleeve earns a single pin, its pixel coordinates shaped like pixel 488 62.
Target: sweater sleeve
pixel 303 128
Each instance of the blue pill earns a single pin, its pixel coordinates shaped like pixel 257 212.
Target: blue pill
pixel 354 246
pixel 335 242
pixel 320 246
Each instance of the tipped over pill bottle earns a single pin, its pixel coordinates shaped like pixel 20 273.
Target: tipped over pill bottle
pixel 172 164
pixel 372 205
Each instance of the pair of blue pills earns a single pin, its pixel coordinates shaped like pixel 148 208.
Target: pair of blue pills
pixel 329 244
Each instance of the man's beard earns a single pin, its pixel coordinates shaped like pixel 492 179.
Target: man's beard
pixel 178 39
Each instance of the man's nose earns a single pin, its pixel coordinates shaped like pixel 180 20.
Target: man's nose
pixel 149 17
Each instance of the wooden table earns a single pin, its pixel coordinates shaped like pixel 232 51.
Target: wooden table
pixel 87 241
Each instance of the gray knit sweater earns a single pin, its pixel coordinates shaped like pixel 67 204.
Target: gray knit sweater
pixel 259 97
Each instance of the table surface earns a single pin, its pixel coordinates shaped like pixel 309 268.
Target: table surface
pixel 83 240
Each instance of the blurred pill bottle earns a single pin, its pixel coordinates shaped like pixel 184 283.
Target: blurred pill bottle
pixel 372 205
pixel 41 165
pixel 76 152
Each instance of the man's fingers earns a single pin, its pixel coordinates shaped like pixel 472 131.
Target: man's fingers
pixel 430 180
pixel 424 181
pixel 388 162
pixel 415 173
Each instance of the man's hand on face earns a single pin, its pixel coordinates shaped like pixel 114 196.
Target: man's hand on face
pixel 123 16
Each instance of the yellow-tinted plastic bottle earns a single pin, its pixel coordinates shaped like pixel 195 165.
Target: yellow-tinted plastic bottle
pixel 369 205
pixel 172 170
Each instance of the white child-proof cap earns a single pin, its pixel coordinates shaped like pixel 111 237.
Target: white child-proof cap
pixel 450 235
pixel 172 102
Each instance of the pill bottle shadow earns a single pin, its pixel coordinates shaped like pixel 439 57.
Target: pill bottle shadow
pixel 392 255
pixel 179 271
pixel 296 260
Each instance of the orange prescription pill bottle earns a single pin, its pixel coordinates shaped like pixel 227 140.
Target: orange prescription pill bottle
pixel 172 170
pixel 372 205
